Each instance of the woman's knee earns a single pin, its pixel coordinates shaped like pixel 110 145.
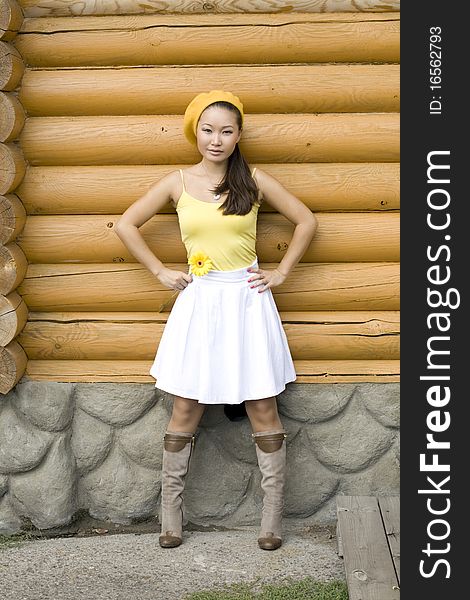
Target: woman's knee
pixel 263 413
pixel 186 412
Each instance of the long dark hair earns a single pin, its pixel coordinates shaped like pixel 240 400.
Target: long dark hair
pixel 241 187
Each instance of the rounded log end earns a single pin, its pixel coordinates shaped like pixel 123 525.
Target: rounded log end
pixel 11 67
pixel 13 361
pixel 13 267
pixel 13 317
pixel 13 167
pixel 11 19
pixel 13 117
pixel 12 218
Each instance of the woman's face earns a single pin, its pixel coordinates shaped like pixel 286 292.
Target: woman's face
pixel 217 133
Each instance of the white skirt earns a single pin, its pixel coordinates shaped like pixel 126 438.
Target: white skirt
pixel 223 342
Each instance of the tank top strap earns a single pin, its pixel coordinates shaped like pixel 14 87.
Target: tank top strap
pixel 253 172
pixel 182 179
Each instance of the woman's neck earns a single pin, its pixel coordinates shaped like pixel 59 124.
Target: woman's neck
pixel 214 171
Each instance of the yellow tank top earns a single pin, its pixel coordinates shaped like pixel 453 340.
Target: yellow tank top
pixel 228 240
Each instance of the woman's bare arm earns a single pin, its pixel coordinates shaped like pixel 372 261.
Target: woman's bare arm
pixel 143 209
pixel 295 211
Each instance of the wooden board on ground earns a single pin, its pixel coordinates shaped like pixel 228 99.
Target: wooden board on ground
pixel 390 510
pixel 363 541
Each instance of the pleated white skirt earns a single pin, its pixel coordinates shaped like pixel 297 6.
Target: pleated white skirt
pixel 223 342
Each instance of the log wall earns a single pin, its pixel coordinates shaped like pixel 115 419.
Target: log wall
pixel 97 119
pixel 13 262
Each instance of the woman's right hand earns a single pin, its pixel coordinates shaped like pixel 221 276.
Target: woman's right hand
pixel 176 280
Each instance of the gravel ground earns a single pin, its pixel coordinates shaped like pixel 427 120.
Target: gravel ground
pixel 130 566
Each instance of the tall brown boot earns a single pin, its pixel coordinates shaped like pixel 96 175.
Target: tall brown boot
pixel 177 450
pixel 271 453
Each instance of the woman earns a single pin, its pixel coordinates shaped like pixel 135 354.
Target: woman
pixel 223 342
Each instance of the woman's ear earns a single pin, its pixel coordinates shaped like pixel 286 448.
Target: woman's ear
pixel 239 135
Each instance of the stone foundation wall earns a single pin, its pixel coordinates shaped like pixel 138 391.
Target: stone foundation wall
pixel 69 447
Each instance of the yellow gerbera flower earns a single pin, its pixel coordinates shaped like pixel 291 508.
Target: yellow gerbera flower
pixel 200 263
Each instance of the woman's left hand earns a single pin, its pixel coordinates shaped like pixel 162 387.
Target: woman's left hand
pixel 264 280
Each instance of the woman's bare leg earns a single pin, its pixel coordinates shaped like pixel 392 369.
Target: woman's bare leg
pixel 186 415
pixel 177 450
pixel 263 414
pixel 270 444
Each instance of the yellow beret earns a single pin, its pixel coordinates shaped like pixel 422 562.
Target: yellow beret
pixel 199 104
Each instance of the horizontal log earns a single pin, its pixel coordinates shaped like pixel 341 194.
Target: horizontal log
pixel 11 67
pixel 13 117
pixel 347 370
pixel 13 167
pixel 136 371
pixel 338 335
pixel 113 188
pixel 58 8
pixel 11 18
pixel 13 265
pixel 310 286
pixel 211 39
pixel 13 361
pixel 110 140
pixel 263 89
pixel 161 20
pixel 13 317
pixel 296 316
pixel 12 218
pixel 341 237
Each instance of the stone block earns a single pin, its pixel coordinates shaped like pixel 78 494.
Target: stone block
pixel 236 440
pixel 308 483
pixel 383 402
pixel 116 404
pixel 308 403
pixel 213 416
pixel 119 489
pixel 381 478
pixel 350 442
pixel 91 441
pixel 142 440
pixel 216 483
pixel 47 405
pixel 47 494
pixel 10 523
pixel 22 446
pixel 3 485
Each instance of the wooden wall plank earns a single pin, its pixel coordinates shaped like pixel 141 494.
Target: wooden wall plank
pixel 262 89
pixel 137 22
pixel 213 39
pixel 310 286
pixel 112 189
pixel 364 318
pixel 57 8
pixel 341 237
pixel 319 371
pixel 158 139
pixel 334 335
